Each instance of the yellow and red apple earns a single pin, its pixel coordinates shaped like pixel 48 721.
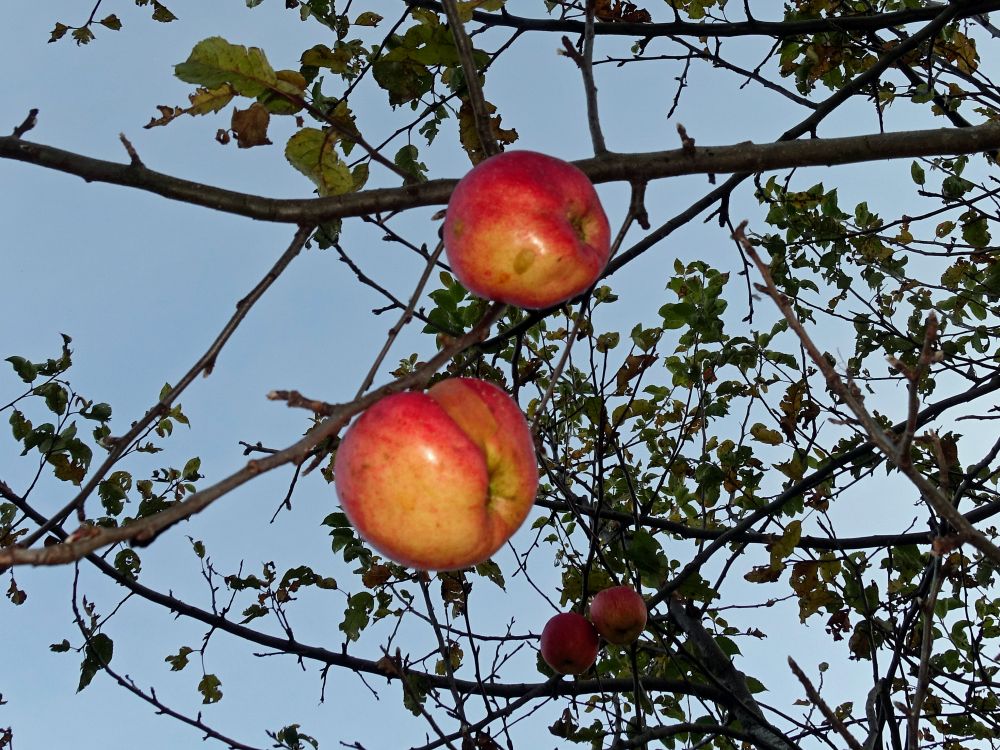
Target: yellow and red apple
pixel 438 480
pixel 619 614
pixel 526 229
pixel 569 643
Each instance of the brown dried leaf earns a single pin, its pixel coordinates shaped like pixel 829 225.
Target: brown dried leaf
pixel 250 126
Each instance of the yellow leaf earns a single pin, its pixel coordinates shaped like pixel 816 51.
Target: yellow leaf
pixel 311 152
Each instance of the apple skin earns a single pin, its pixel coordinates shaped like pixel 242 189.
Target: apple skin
pixel 619 614
pixel 526 229
pixel 438 480
pixel 569 643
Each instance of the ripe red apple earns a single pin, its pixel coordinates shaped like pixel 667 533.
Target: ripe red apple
pixel 438 480
pixel 526 229
pixel 569 643
pixel 619 614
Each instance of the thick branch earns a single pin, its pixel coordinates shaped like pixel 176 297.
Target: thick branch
pixel 745 157
pixel 775 29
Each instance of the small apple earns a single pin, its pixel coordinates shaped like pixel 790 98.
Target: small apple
pixel 438 480
pixel 569 643
pixel 526 229
pixel 619 614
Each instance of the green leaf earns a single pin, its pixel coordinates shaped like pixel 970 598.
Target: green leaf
pixel 179 660
pixel 368 18
pixel 406 159
pixel 917 173
pixel 311 152
pixel 214 62
pixel 56 397
pixel 127 563
pixel 61 647
pixel 356 616
pixel 209 689
pixel 24 369
pixel 676 315
pixel 98 652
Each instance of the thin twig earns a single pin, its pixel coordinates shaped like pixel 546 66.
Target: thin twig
pixel 817 700
pixel 144 530
pixel 403 320
pixel 204 365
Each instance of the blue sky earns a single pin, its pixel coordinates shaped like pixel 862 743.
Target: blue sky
pixel 143 285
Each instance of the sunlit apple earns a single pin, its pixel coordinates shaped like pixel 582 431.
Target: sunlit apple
pixel 438 480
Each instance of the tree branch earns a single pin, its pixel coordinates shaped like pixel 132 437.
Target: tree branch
pixel 738 158
pixel 774 29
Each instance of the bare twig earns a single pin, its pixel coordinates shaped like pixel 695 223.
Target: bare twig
pixel 27 124
pixel 144 530
pixel 204 366
pixel 403 319
pixel 817 700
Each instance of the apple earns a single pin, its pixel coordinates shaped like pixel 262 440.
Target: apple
pixel 619 614
pixel 526 229
pixel 438 480
pixel 569 643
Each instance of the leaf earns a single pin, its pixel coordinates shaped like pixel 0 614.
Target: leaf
pixel 56 397
pixel 368 18
pixel 60 647
pixel 781 549
pixel 24 369
pixel 356 616
pixel 98 652
pixel 17 596
pixel 214 62
pixel 83 35
pixel 58 32
pixel 209 689
pixel 179 660
pixel 111 22
pixel 917 173
pixel 311 152
pixel 250 126
pixel 469 135
pixel 207 100
pixel 491 570
pixel 406 159
pixel 763 434
pixel 162 14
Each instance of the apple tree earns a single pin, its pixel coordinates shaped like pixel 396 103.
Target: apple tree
pixel 771 415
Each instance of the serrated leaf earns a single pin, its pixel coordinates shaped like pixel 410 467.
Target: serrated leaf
pixel 214 62
pixel 209 687
pixel 311 152
pixel 111 22
pixel 58 32
pixel 179 660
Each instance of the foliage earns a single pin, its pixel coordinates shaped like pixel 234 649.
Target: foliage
pixel 710 447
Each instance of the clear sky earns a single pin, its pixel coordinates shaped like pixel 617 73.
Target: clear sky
pixel 143 285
